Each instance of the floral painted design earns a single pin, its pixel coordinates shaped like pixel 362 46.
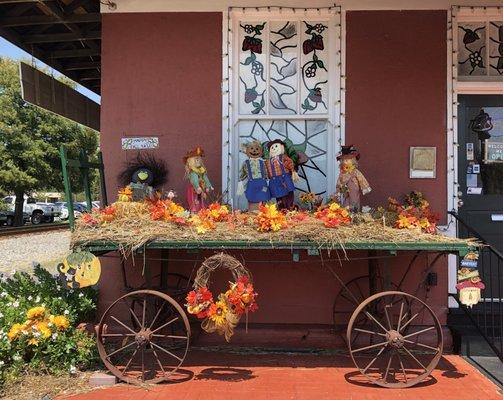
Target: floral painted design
pixel 314 71
pixel 252 74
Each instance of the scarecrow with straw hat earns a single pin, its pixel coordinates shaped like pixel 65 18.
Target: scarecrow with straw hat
pixel 351 183
pixel 198 183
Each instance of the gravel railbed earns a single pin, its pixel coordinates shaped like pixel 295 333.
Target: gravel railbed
pixel 19 252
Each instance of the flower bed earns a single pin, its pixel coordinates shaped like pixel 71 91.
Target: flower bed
pixel 38 319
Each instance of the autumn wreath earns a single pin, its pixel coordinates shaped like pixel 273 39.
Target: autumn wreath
pixel 223 314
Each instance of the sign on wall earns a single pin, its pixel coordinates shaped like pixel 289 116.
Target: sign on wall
pixel 423 162
pixel 140 143
pixel 494 152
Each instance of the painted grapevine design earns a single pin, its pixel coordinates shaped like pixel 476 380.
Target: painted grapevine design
pixel 283 67
pixel 313 86
pixel 252 43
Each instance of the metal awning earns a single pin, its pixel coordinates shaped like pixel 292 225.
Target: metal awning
pixel 65 34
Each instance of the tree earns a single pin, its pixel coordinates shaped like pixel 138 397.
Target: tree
pixel 30 138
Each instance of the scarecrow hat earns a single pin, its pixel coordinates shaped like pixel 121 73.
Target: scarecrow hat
pixel 198 151
pixel 348 152
pixel 269 144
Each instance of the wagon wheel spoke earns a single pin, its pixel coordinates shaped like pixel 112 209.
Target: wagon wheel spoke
pixel 414 357
pixel 135 317
pixel 170 336
pixel 165 325
pixel 124 325
pixel 166 351
pixel 360 290
pixel 369 315
pixel 143 363
pixel 369 332
pixel 388 366
pixel 118 334
pixel 121 349
pixel 372 346
pixel 419 332
pixel 401 366
pixel 421 345
pixel 157 358
pixel 157 315
pixel 373 360
pixel 144 312
pixel 130 360
pixel 388 320
pixel 412 318
pixel 400 317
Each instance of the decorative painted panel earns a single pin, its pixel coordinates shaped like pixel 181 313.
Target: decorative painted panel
pixel 308 136
pixel 283 67
pixel 283 47
pixel 472 49
pixel 252 74
pixel 314 72
pixel 496 48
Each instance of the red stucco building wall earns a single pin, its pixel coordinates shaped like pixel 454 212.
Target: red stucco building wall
pixel 161 76
pixel 396 67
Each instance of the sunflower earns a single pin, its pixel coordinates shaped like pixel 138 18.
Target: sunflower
pixel 36 313
pixel 218 312
pixel 14 331
pixel 43 328
pixel 61 322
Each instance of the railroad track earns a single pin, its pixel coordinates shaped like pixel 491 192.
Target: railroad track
pixel 27 229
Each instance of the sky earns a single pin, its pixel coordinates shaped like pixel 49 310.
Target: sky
pixel 7 49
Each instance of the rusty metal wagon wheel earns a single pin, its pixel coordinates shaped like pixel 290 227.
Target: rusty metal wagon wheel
pixel 408 342
pixel 150 350
pixel 353 293
pixel 176 286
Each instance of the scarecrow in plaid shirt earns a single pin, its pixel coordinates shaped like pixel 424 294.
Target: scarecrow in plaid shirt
pixel 282 174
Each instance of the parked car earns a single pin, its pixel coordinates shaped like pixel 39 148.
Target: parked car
pixel 39 212
pixel 64 213
pixel 7 217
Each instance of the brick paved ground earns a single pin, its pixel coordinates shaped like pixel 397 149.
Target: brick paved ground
pixel 211 376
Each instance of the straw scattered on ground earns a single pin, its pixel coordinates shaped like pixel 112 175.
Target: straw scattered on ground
pixel 45 386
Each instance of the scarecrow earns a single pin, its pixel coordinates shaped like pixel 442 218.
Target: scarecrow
pixel 141 178
pixel 254 173
pixel 351 183
pixel 199 185
pixel 282 174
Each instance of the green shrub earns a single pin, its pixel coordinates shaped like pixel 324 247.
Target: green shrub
pixel 38 325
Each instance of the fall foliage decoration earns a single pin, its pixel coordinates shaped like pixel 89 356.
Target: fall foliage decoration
pixel 269 218
pixel 223 315
pixel 333 215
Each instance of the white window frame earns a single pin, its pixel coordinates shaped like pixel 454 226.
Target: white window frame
pixel 230 88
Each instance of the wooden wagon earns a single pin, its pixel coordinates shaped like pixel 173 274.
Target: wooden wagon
pixel 144 335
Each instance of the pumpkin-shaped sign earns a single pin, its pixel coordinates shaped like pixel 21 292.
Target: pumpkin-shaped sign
pixel 79 270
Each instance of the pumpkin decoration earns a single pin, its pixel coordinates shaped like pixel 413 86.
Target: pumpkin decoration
pixel 80 269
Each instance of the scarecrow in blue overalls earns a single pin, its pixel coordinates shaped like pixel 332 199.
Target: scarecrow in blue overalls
pixel 254 173
pixel 282 174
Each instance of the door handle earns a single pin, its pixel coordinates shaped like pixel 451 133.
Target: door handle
pixel 497 217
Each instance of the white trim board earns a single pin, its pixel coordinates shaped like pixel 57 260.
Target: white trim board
pixel 124 6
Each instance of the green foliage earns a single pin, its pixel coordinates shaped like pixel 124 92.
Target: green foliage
pixel 60 350
pixel 30 138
